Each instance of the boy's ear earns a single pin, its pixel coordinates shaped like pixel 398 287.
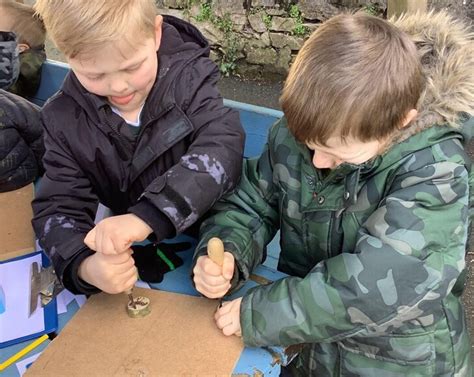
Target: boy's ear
pixel 22 47
pixel 158 29
pixel 411 115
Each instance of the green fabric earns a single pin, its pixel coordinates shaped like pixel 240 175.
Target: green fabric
pixel 374 252
pixel 29 79
pixel 134 131
pixel 165 259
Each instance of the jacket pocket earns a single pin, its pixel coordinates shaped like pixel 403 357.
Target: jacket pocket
pixel 391 355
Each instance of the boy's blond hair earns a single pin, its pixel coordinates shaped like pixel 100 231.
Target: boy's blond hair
pixel 356 76
pixel 81 26
pixel 29 29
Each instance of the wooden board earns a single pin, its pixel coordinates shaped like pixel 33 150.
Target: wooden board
pixel 16 232
pixel 178 338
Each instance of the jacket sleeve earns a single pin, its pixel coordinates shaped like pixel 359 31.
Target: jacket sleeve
pixel 63 211
pixel 210 167
pixel 408 256
pixel 25 116
pixel 247 219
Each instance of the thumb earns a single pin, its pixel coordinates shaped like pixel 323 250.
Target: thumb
pixel 89 240
pixel 228 265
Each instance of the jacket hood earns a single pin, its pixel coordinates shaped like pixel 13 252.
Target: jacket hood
pixel 181 43
pixel 446 47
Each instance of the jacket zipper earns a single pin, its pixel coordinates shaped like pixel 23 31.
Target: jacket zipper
pixel 125 151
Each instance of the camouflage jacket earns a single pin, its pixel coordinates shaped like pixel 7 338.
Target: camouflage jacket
pixel 29 78
pixel 374 250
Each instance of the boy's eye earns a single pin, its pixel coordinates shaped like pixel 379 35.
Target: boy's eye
pixel 95 78
pixel 133 68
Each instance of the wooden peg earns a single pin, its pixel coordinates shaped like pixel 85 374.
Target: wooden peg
pixel 215 250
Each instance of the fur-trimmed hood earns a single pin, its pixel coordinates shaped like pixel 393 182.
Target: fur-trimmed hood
pixel 446 46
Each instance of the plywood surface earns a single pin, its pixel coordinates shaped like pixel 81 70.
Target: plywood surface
pixel 178 338
pixel 16 232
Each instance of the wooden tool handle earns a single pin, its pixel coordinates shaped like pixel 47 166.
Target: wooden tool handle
pixel 215 250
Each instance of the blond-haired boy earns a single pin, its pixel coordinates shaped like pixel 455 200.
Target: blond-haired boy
pixel 20 19
pixel 137 125
pixel 367 179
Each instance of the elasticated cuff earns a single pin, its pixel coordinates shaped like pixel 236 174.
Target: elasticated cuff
pixel 71 279
pixel 162 226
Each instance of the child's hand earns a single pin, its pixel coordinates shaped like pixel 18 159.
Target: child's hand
pixel 116 234
pixel 212 280
pixel 228 317
pixel 114 273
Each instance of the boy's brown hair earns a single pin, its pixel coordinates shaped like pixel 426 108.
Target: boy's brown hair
pixel 29 28
pixel 81 26
pixel 356 76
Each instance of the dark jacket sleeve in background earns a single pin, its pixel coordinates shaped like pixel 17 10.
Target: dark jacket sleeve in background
pixel 21 147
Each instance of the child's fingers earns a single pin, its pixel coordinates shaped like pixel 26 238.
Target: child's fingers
pixel 206 266
pixel 229 324
pixel 223 310
pixel 213 291
pixel 108 245
pixel 121 280
pixel 103 243
pixel 118 285
pixel 223 320
pixel 227 317
pixel 130 283
pixel 129 278
pixel 211 268
pixel 117 258
pixel 89 240
pixel 232 329
pixel 214 281
pixel 228 266
pixel 125 266
pixel 120 245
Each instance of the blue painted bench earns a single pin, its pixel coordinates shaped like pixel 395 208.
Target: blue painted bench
pixel 256 121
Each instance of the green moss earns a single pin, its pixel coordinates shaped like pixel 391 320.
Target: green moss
pixel 205 12
pixel 230 50
pixel 267 20
pixel 295 13
pixel 373 9
pixel 230 45
pixel 224 23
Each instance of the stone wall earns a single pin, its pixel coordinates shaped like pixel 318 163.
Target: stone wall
pixel 258 38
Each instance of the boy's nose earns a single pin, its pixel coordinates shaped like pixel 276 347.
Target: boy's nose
pixel 324 161
pixel 118 86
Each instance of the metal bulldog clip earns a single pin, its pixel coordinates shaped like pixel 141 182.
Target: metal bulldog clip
pixel 43 285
